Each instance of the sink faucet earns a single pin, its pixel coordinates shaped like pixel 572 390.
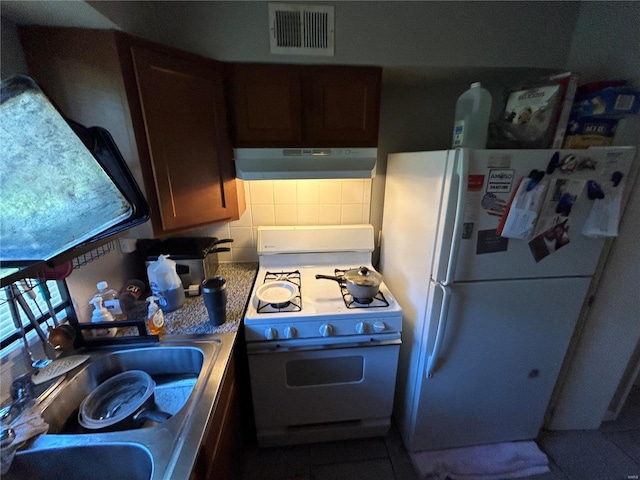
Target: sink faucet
pixel 22 398
pixel 7 447
pixel 17 422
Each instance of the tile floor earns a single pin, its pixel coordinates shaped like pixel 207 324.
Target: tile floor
pixel 610 453
pixel 380 458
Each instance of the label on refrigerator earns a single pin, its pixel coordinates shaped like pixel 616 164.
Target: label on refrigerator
pixel 494 205
pixel 604 217
pixel 500 181
pixel 475 182
pixel 522 211
pixel 499 160
pixel 490 242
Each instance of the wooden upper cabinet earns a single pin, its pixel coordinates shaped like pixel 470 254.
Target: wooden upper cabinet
pixel 267 103
pixel 345 106
pixel 184 116
pixel 305 106
pixel 164 107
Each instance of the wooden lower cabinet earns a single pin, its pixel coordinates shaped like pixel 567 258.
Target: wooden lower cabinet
pixel 221 451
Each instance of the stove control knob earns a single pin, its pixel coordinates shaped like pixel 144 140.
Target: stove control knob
pixel 290 332
pixel 326 329
pixel 270 333
pixel 361 327
pixel 379 327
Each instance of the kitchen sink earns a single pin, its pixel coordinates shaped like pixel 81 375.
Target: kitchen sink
pixel 98 462
pixel 188 371
pixel 175 370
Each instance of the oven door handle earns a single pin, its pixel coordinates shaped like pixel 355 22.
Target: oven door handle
pixel 322 344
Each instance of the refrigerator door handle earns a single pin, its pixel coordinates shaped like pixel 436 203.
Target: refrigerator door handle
pixel 442 324
pixel 463 171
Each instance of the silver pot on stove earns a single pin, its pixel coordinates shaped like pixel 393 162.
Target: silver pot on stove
pixel 362 283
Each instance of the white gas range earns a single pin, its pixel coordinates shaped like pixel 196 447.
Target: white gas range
pixel 322 364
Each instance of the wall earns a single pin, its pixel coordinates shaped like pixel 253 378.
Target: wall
pixel 62 13
pixel 291 202
pixel 413 118
pixel 12 59
pixel 611 331
pixel 108 264
pixel 269 202
pixel 391 33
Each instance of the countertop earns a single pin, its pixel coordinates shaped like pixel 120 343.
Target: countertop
pixel 192 317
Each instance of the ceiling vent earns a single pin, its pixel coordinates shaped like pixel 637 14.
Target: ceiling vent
pixel 299 29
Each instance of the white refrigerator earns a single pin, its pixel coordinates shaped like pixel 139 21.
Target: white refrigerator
pixel 487 318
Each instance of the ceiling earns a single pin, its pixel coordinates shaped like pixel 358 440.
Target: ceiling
pixel 73 13
pixel 79 13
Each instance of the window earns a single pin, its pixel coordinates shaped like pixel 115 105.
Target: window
pixel 9 333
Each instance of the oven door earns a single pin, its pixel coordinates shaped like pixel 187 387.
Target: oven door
pixel 298 383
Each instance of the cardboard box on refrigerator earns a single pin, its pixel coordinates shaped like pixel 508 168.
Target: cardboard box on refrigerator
pixel 595 116
pixel 587 132
pixel 611 101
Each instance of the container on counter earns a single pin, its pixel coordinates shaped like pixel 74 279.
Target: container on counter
pixel 131 294
pixel 196 257
pixel 101 314
pixel 155 318
pixel 165 284
pixel 110 300
pixel 214 296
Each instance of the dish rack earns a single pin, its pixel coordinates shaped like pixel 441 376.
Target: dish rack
pixel 18 293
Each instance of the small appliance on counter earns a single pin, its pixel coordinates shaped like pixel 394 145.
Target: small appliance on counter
pixel 196 257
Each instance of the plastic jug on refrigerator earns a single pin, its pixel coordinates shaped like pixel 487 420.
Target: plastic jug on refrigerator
pixel 471 125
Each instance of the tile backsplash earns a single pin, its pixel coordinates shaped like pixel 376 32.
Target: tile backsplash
pixel 292 202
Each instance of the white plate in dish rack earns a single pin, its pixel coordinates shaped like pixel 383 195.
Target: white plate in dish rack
pixel 58 367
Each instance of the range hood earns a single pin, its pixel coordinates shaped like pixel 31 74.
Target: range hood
pixel 305 163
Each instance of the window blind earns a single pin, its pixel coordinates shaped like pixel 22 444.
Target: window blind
pixel 9 334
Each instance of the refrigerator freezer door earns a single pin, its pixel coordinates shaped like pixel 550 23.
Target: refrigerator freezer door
pixel 492 176
pixel 414 192
pixel 502 350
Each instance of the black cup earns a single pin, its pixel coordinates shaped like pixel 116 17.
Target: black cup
pixel 214 295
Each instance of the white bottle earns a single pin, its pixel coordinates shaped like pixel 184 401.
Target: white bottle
pixel 110 300
pixel 165 284
pixel 101 314
pixel 471 125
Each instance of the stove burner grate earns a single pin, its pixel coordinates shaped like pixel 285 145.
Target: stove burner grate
pixel 294 305
pixel 377 301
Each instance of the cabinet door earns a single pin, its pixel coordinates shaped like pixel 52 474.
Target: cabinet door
pixel 345 106
pixel 182 104
pixel 266 105
pixel 220 455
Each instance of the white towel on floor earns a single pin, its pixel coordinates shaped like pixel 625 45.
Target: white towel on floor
pixel 482 462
